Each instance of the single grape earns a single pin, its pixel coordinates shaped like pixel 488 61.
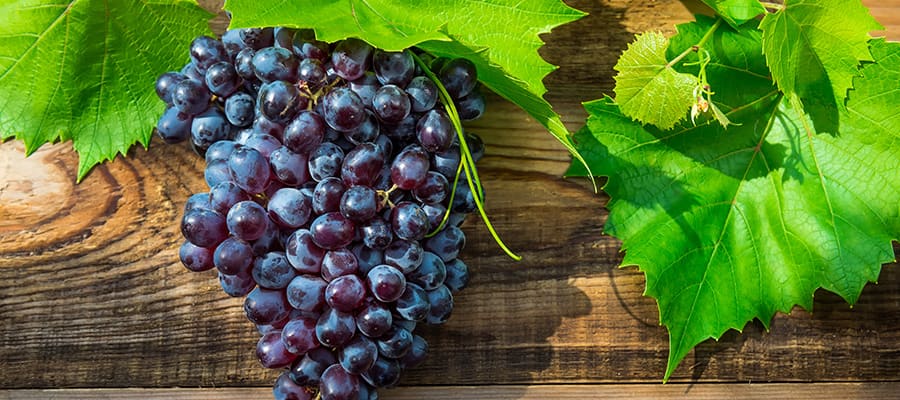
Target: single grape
pixel 174 126
pixel 325 161
pixel 306 46
pixel 337 263
pixel 289 208
pixel 344 110
pixel 459 77
pixel 345 293
pixel 264 143
pixel 430 274
pixel 209 127
pixel 338 384
pixel 471 106
pixel 222 79
pixel 365 87
pixel 395 342
pixel 299 335
pixel 237 285
pixel 306 293
pixel 287 389
pixel 401 132
pixel 239 109
pixel 265 306
pixel 359 203
pixel 423 94
pixel 311 71
pixel 447 162
pixel 197 200
pixel 374 319
pixel 308 369
pixel 457 275
pixel 257 38
pixel 190 97
pixel 391 104
pixel 447 243
pixel 386 283
pixel 434 190
pixel 367 257
pixel 393 68
pixel 410 168
pixel 327 195
pixel 204 227
pixel 416 354
pixel 261 124
pixel 335 328
pixel 216 172
pixel 302 253
pixel 273 271
pixel 289 168
pixel 440 302
pixel 247 220
pixel 362 165
pixel 358 355
pixel 376 233
pixel 275 64
pixel 243 64
pixel 405 255
pixel 271 352
pixel 413 304
pixel 220 151
pixel 249 169
pixel 367 131
pixel 476 146
pixel 434 131
pixel 206 51
pixel 409 221
pixel 233 257
pixel 384 373
pixel 351 58
pixel 280 101
pixel 195 258
pixel 165 85
pixel 332 231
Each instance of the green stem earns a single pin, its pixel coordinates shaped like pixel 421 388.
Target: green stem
pixel 697 46
pixel 465 156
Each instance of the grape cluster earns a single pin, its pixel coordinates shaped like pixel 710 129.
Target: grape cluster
pixel 334 198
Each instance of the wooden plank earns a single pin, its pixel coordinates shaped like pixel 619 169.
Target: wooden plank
pixel 818 391
pixel 92 294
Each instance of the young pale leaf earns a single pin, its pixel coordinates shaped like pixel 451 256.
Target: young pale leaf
pixel 732 225
pixel 84 70
pixel 649 90
pixel 500 37
pixel 736 12
pixel 812 45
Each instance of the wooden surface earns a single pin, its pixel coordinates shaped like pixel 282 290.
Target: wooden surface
pixel 92 294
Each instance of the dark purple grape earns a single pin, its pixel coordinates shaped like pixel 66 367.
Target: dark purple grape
pixel 305 133
pixel 332 231
pixel 308 369
pixel 220 151
pixel 344 110
pixel 190 72
pixel 327 195
pixel 289 208
pixel 459 77
pixel 434 190
pixel 471 106
pixel 410 167
pixel 247 220
pixel 393 68
pixel 385 146
pixel 374 319
pixel 338 263
pixel 434 131
pixel 423 94
pixel 306 46
pixel 338 384
pixel 435 213
pixel 284 37
pixel 391 104
pixel 233 257
pixel 265 306
pixel 335 328
pixel 386 283
pixel 280 101
pixel 195 258
pixel 403 131
pixel 206 51
pixel 197 200
pixel 243 64
pixel 289 168
pixel 365 87
pixel 362 165
pixel 236 285
pixel 325 161
pixel 359 203
pixel 239 109
pixel 273 271
pixel 405 255
pixel 264 143
pixel 457 275
pixel 395 342
pixel 409 221
pixel 358 355
pixel 232 42
pixel 351 58
pixel 204 227
pixel 271 352
pixel 440 305
pixel 413 304
pixel 257 38
pixel 275 64
pixel 174 126
pixel 384 373
pixel 190 97
pixel 431 273
pixel 302 253
pixel 222 79
pixel 447 162
pixel 345 293
pixel 299 335
pixel 447 243
pixel 249 169
pixel 416 354
pixel 209 127
pixel 376 233
pixel 463 199
pixel 287 389
pixel 306 293
pixel 165 85
pixel 216 172
pixel 367 131
pixel 261 124
pixel 367 257
pixel 311 71
pixel 271 240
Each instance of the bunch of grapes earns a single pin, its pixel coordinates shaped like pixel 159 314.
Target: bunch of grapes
pixel 334 198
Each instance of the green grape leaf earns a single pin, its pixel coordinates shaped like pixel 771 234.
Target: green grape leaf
pixel 500 37
pixel 84 70
pixel 647 88
pixel 736 12
pixel 731 225
pixel 814 45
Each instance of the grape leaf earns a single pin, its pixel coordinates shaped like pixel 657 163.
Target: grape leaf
pixel 84 70
pixel 732 225
pixel 736 12
pixel 813 44
pixel 500 37
pixel 649 90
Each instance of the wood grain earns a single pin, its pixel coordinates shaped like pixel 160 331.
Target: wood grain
pixel 92 294
pixel 819 391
